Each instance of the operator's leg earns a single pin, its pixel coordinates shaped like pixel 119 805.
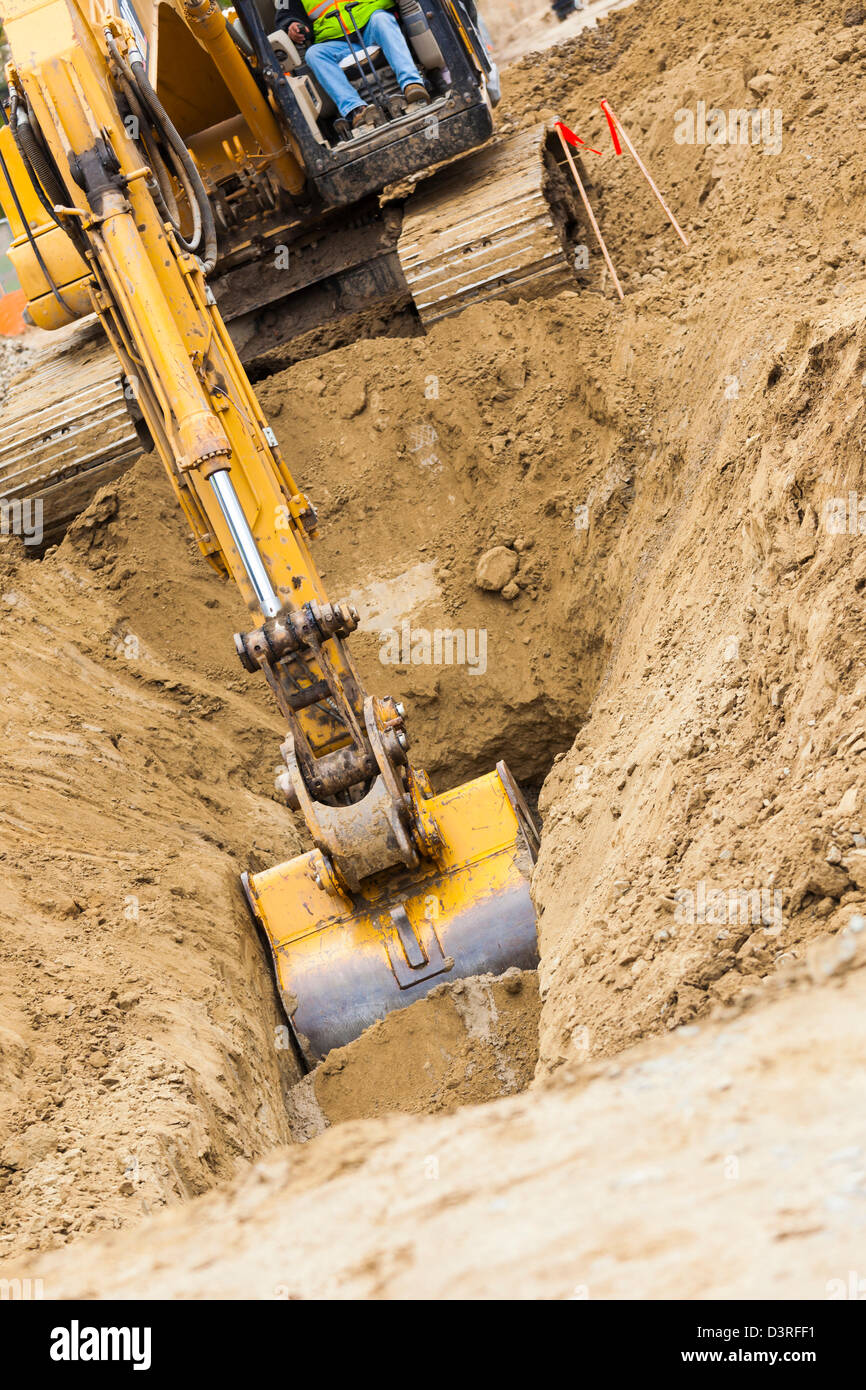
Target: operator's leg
pixel 323 60
pixel 382 28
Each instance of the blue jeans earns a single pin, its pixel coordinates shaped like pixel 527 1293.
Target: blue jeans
pixel 381 28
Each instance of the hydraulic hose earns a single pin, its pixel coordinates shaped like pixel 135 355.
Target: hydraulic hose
pixel 42 176
pixel 161 189
pixel 137 99
pixel 167 129
pixel 135 76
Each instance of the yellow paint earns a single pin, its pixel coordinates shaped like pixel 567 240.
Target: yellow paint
pixel 324 945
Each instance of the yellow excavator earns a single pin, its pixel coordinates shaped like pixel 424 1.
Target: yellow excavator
pixel 315 234
pixel 404 889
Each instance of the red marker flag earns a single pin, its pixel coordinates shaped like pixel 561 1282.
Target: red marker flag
pixel 573 139
pixel 612 123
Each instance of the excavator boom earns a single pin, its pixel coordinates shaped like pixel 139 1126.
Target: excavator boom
pixel 403 888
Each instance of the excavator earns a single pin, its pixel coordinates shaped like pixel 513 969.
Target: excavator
pixel 153 157
pixel 313 235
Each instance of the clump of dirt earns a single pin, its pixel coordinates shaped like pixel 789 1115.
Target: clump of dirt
pixel 467 1042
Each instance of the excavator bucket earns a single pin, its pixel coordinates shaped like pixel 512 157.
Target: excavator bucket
pixel 343 962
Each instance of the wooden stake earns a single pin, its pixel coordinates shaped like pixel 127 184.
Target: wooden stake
pixel 607 109
pixel 589 212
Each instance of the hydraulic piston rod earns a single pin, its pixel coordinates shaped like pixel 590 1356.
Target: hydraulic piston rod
pixel 245 541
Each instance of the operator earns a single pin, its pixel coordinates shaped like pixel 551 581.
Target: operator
pixel 377 22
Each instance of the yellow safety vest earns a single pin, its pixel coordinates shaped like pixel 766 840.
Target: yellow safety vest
pixel 326 16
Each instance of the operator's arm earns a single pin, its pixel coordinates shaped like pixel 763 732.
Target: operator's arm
pixel 295 21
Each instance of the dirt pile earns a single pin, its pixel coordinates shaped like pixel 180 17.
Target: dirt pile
pixel 137 1016
pixel 587 1188
pixel 709 819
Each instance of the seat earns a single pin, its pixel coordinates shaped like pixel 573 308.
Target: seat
pixel 373 51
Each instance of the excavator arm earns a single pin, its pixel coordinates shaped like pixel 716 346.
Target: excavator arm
pixel 402 888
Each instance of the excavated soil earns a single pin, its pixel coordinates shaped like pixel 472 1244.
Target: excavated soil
pixel 681 638
pixel 467 1042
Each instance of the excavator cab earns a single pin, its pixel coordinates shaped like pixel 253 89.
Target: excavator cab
pixel 452 50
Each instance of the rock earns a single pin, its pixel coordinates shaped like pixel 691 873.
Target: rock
pixel 28 1147
pixel 353 399
pixel 842 48
pixel 853 16
pixel 55 1006
pixel 762 84
pixel 828 881
pixel 848 805
pixel 58 903
pixel 511 590
pixel 834 855
pixel 855 865
pixel 496 568
pixel 512 374
pixel 727 702
pixel 98 1060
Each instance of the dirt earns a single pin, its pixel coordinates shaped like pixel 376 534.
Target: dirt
pixel 677 657
pixel 15 354
pixel 467 1042
pixel 433 451
pixel 585 1188
pixel 138 1017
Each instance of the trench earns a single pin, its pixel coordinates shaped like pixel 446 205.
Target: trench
pixel 424 456
pixel 161 1017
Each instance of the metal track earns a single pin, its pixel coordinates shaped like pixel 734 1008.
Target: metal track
pixel 484 229
pixel 64 426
